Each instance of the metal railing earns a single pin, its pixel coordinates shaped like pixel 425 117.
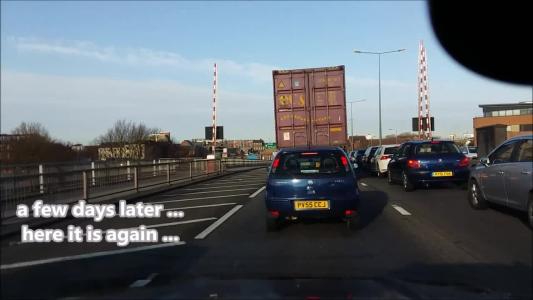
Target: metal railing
pixel 87 184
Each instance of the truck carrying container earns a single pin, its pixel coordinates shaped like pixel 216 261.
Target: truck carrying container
pixel 310 107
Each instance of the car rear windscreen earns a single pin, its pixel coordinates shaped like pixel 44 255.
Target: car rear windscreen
pixel 472 149
pixel 436 148
pixel 310 164
pixel 391 150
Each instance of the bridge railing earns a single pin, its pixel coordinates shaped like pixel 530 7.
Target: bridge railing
pixel 89 184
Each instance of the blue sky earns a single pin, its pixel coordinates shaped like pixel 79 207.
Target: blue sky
pixel 76 67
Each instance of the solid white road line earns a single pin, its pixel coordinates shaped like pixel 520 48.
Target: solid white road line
pixel 88 255
pixel 401 210
pixel 143 282
pixel 364 184
pixel 207 192
pixel 199 206
pixel 201 198
pixel 210 187
pixel 217 223
pixel 257 192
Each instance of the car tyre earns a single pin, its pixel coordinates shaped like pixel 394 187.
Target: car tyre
pixel 272 224
pixel 408 186
pixel 475 197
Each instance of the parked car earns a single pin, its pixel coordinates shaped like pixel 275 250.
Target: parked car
pixel 367 157
pixel 359 156
pixel 504 177
pixel 381 159
pixel 470 151
pixel 313 182
pixel 426 162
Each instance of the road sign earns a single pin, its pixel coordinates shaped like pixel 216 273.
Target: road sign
pixel 270 145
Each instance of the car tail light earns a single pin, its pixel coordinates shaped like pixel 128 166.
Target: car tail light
pixel 349 212
pixel 274 213
pixel 413 164
pixel 275 164
pixel 344 161
pixel 464 162
pixel 384 157
pixel 309 153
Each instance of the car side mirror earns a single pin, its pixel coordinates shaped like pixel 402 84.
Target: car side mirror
pixel 484 161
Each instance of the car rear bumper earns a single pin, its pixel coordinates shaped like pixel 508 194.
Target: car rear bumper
pixel 425 176
pixel 285 207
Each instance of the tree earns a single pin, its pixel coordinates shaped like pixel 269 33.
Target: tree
pixel 33 129
pixel 124 132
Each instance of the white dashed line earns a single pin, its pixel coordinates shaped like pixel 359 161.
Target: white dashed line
pixel 364 184
pixel 88 255
pixel 199 206
pixel 207 192
pixel 257 192
pixel 143 282
pixel 217 223
pixel 402 211
pixel 201 198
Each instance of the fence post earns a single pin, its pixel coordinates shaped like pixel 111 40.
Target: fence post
pixel 136 178
pixel 155 168
pixel 128 170
pixel 168 173
pixel 190 170
pixel 93 174
pixel 41 179
pixel 85 186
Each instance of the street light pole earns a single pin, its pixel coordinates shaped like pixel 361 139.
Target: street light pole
pixel 351 118
pixel 379 82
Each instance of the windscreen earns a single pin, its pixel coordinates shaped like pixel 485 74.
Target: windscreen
pixel 472 149
pixel 436 148
pixel 391 150
pixel 310 164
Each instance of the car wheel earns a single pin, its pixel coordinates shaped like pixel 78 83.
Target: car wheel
pixel 407 184
pixel 389 177
pixel 530 211
pixel 475 197
pixel 272 224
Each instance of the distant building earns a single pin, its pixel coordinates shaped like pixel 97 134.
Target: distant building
pixel 246 145
pixel 500 122
pixel 160 137
pixel 6 145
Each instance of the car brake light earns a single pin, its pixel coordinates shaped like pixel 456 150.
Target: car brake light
pixel 464 162
pixel 384 157
pixel 413 164
pixel 349 212
pixel 309 153
pixel 344 161
pixel 275 164
pixel 274 213
pixel 435 142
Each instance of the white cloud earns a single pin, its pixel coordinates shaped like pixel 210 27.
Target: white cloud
pixel 141 57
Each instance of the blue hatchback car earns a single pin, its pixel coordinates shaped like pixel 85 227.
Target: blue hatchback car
pixel 313 182
pixel 428 162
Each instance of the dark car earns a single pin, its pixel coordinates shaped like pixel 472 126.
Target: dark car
pixel 367 157
pixel 359 156
pixel 313 182
pixel 428 162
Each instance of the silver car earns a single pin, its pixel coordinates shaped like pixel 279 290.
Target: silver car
pixel 504 177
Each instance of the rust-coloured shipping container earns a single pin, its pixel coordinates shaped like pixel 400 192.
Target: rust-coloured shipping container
pixel 310 107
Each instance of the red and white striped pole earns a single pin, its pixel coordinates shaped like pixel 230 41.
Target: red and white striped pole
pixel 214 140
pixel 423 95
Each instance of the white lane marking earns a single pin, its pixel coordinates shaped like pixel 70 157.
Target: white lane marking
pixel 364 184
pixel 210 187
pixel 143 282
pixel 199 206
pixel 401 210
pixel 257 192
pixel 207 192
pixel 88 255
pixel 175 223
pixel 217 223
pixel 200 198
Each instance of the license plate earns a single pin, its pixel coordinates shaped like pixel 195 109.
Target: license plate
pixel 309 205
pixel 442 174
